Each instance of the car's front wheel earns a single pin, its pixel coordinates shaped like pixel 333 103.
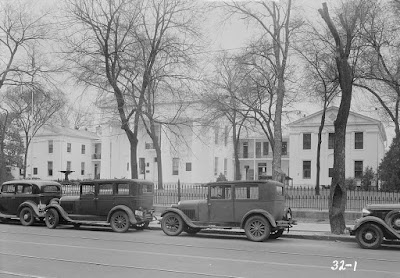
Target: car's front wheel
pixel 172 224
pixel 257 228
pixel 51 218
pixel 120 221
pixel 26 216
pixel 369 236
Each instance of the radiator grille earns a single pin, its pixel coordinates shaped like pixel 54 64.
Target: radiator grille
pixel 190 213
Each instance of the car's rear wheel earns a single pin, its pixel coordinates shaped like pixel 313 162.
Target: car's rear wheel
pixel 51 218
pixel 276 234
pixel 190 230
pixel 172 224
pixel 393 220
pixel 141 226
pixel 257 228
pixel 120 221
pixel 26 216
pixel 369 236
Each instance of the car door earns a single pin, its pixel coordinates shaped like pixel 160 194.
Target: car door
pixel 87 203
pixel 220 204
pixel 105 199
pixel 7 197
pixel 24 192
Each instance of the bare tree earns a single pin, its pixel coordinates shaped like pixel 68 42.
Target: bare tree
pixel 345 32
pixel 168 38
pixel 320 78
pixel 33 107
pixel 222 100
pixel 275 21
pixel 21 30
pixel 104 53
pixel 379 70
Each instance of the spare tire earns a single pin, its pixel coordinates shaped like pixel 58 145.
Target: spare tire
pixel 393 220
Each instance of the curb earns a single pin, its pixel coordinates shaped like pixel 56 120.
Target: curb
pixel 291 234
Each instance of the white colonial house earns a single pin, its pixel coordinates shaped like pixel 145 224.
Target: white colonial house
pixel 195 153
pixel 54 149
pixel 365 146
pixel 190 153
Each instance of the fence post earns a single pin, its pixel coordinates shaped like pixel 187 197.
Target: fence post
pixel 179 190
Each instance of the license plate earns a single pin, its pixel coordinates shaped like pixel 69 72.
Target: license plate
pixel 139 213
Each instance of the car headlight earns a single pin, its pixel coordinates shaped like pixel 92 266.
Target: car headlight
pixel 365 212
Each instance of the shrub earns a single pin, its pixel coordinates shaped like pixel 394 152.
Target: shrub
pixel 221 177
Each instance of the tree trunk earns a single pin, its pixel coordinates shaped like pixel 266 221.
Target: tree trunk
pixel 321 127
pixel 133 141
pixel 338 192
pixel 277 173
pixel 237 175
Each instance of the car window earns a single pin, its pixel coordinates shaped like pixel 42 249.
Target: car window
pixel 147 188
pixel 221 192
pixel 88 189
pixel 279 190
pixel 123 189
pixel 51 188
pixel 27 189
pixel 8 188
pixel 106 189
pixel 20 188
pixel 246 192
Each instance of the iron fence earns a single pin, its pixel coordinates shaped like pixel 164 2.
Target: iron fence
pixel 296 197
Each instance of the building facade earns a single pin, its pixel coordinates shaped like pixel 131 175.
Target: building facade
pixel 195 153
pixel 365 147
pixel 56 149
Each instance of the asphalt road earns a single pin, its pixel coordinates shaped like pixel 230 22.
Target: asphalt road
pixel 98 252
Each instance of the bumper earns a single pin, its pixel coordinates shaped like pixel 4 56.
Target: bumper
pixel 144 216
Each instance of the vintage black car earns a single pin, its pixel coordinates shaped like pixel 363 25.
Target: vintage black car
pixel 121 203
pixel 26 199
pixel 258 207
pixel 378 222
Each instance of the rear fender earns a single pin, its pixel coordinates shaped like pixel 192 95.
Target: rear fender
pixel 33 206
pixel 262 212
pixel 184 217
pixel 375 220
pixel 128 211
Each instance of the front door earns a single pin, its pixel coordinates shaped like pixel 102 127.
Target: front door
pixel 220 204
pixel 7 197
pixel 87 205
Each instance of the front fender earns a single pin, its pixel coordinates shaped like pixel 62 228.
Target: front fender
pixel 185 218
pixel 374 220
pixel 128 211
pixel 33 206
pixel 60 211
pixel 264 213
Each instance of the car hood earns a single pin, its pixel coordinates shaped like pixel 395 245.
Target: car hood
pixel 383 206
pixel 190 203
pixel 68 199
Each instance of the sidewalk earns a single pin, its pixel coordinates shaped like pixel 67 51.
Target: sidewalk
pixel 305 229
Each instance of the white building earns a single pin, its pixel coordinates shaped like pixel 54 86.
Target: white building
pixel 365 146
pixel 255 156
pixel 198 154
pixel 190 153
pixel 55 149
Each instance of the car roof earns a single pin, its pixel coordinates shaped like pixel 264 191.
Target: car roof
pixel 39 183
pixel 260 182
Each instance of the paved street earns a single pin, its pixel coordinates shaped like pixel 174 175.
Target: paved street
pixel 99 252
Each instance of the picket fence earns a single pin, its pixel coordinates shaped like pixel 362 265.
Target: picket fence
pixel 296 197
